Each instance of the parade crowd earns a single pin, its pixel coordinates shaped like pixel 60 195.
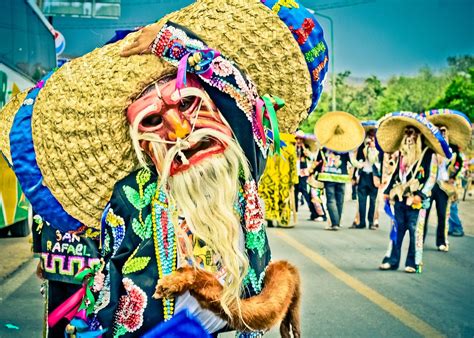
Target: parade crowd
pixel 399 165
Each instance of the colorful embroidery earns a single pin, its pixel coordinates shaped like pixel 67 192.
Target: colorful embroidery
pixel 141 199
pixel 317 71
pixel 315 52
pixel 252 279
pixel 129 316
pixel 256 241
pixel 135 264
pixel 253 215
pixel 164 241
pixel 304 31
pixel 284 3
pixel 39 223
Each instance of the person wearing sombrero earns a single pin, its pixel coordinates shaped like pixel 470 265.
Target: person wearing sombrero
pixel 339 133
pixel 456 129
pixel 409 189
pixel 162 153
pixel 305 160
pixel 276 186
pixel 368 178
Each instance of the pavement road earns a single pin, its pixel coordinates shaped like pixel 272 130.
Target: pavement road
pixel 344 294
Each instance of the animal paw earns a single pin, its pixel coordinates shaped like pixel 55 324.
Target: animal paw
pixel 175 284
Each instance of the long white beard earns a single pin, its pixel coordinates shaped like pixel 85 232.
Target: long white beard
pixel 205 194
pixel 410 152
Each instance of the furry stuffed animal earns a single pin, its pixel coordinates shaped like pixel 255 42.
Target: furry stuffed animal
pixel 279 300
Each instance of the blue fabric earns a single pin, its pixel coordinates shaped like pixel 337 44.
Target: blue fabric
pixel 27 170
pixel 294 17
pixel 455 224
pixel 182 324
pixel 388 210
pixel 446 111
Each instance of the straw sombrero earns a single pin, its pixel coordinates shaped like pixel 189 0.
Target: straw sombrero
pixel 308 139
pixel 458 125
pixel 339 131
pixel 6 120
pixel 369 125
pixel 79 130
pixel 391 128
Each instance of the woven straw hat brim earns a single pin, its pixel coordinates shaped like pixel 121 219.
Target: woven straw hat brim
pixel 350 131
pixel 459 129
pixel 80 132
pixel 7 115
pixel 391 131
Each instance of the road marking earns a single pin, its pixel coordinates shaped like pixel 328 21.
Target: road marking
pixel 386 304
pixel 11 284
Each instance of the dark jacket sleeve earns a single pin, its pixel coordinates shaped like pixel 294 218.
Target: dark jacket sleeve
pixel 456 163
pixel 427 174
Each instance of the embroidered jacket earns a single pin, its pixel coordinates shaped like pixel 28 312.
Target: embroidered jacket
pixel 131 271
pixel 425 175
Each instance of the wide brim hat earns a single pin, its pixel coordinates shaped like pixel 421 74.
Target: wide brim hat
pixel 308 139
pixel 7 115
pixel 458 124
pixel 391 129
pixel 339 131
pixel 369 125
pixel 79 129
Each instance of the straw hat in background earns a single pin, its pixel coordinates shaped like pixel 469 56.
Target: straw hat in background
pixel 7 114
pixel 391 129
pixel 369 125
pixel 309 140
pixel 458 125
pixel 339 131
pixel 79 129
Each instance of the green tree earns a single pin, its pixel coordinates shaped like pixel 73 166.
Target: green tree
pixel 459 94
pixel 415 94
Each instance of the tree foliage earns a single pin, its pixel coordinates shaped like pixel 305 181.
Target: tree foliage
pixel 453 87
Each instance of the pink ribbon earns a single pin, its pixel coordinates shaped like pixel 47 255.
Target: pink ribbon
pixel 68 309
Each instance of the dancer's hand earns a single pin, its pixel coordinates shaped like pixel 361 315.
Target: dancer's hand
pixel 143 41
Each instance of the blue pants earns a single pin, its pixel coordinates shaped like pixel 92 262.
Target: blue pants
pixel 366 189
pixel 335 200
pixel 407 219
pixel 455 224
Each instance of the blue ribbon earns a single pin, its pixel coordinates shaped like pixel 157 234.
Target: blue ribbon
pixel 27 170
pixel 388 210
pixel 83 329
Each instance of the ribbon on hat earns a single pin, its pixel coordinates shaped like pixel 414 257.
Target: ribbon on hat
pixel 198 62
pixel 266 108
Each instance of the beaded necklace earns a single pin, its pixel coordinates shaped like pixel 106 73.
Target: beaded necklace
pixel 164 240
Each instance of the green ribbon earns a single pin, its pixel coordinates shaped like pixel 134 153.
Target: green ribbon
pixel 272 121
pixel 86 277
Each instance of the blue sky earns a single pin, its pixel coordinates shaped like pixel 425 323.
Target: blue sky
pixel 382 37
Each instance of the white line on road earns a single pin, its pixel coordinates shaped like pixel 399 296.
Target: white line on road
pixel 406 317
pixel 11 284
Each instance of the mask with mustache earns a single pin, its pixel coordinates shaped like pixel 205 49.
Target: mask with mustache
pixel 200 166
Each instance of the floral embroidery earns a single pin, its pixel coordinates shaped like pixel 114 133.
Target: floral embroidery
pixel 135 264
pixel 253 207
pixel 141 199
pixel 99 278
pixel 129 316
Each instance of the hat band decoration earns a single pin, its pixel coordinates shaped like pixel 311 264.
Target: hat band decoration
pixel 421 119
pixel 191 55
pixel 27 170
pixel 309 35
